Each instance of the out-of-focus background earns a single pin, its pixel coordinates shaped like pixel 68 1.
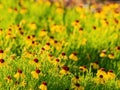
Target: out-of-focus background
pixel 83 2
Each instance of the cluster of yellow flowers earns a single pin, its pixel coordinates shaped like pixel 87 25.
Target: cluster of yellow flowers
pixel 103 76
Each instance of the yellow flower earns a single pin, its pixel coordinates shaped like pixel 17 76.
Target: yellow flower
pixel 77 86
pixel 40 1
pixel 111 56
pixel 42 50
pixel 47 46
pixel 1 30
pixel 100 80
pixel 48 3
pixel 76 24
pixel 84 41
pixel 79 9
pixel 22 22
pixel 103 53
pixel 43 33
pixel 1 6
pixel 51 39
pixel 3 53
pixel 101 71
pixel 23 10
pixel 10 10
pixel 2 63
pixel 111 75
pixel 83 69
pixel 73 56
pixel 9 79
pixel 57 45
pixel 94 65
pixel 53 28
pixel 80 30
pixel 60 10
pixel 32 26
pixel 118 48
pixel 57 4
pixel 19 74
pixel 83 16
pixel 64 71
pixel 27 54
pixel 63 56
pixel 34 43
pixel 35 62
pixel 56 62
pixel 15 10
pixel 75 79
pixel 43 86
pixel 35 74
pixel 50 57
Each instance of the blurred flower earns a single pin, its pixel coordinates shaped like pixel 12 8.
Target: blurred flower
pixel 43 86
pixel 84 41
pixel 9 79
pixel 111 56
pixel 73 56
pixel 76 24
pixel 79 9
pixel 10 10
pixel 50 57
pixel 118 48
pixel 64 71
pixel 51 39
pixel 103 53
pixel 60 10
pixel 1 6
pixel 57 45
pixel 2 63
pixel 75 79
pixel 80 30
pixel 56 62
pixel 23 10
pixel 23 22
pixel 47 46
pixel 35 74
pixel 32 26
pixel 1 30
pixel 48 3
pixel 57 4
pixel 43 33
pixel 94 65
pixel 77 86
pixel 27 54
pixel 19 75
pixel 83 69
pixel 35 62
pixel 100 80
pixel 63 56
pixel 111 75
pixel 101 71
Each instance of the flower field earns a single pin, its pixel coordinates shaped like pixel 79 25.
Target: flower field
pixel 47 46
